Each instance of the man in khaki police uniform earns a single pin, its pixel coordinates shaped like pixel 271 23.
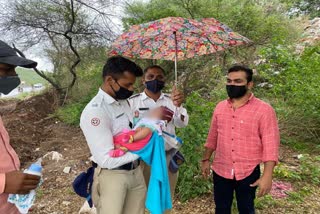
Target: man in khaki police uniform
pixel 151 97
pixel 118 186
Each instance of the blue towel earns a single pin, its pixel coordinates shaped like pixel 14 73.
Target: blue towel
pixel 158 194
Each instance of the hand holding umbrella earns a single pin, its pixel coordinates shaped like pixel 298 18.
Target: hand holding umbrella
pixel 177 96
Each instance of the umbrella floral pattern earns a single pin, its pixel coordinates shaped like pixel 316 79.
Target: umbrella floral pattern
pixel 164 38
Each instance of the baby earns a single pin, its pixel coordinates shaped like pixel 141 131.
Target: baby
pixel 137 138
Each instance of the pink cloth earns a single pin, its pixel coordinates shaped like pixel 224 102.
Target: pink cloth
pixel 9 161
pixel 121 140
pixel 243 138
pixel 280 189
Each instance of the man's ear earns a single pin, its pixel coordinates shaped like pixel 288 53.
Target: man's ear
pixel 108 79
pixel 250 85
pixel 143 81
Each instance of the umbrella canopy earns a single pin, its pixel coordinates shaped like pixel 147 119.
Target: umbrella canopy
pixel 176 38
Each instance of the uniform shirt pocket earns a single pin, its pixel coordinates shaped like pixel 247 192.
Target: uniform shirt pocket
pixel 120 122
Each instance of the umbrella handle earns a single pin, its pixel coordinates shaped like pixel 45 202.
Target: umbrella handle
pixel 175 72
pixel 175 59
pixel 176 64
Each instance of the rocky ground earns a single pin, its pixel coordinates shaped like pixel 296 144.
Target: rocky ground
pixel 36 133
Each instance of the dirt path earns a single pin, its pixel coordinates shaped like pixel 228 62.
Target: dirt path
pixel 34 134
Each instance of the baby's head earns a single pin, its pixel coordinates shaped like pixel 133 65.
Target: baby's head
pixel 161 113
pixel 155 113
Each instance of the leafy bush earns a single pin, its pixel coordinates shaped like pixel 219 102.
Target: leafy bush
pixel 191 184
pixel 308 170
pixel 285 173
pixel 294 93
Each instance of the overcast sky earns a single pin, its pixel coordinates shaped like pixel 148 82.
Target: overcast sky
pixel 35 53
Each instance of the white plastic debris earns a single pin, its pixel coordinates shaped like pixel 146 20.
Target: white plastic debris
pixel 67 169
pixel 54 155
pixel 85 209
pixel 300 156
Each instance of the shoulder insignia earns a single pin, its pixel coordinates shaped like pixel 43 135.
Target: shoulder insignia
pixel 95 121
pixel 94 105
pixel 119 115
pixel 167 95
pixel 135 95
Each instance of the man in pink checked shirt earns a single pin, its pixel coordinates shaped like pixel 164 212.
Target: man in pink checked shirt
pixel 243 133
pixel 11 179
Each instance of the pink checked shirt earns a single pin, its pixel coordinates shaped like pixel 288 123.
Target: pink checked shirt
pixel 9 161
pixel 243 138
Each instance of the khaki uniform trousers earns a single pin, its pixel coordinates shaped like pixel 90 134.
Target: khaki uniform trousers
pixel 173 177
pixel 119 191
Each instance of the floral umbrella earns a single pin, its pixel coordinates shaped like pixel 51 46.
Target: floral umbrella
pixel 176 38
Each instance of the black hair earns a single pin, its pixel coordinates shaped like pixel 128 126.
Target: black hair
pixel 153 66
pixel 248 71
pixel 117 65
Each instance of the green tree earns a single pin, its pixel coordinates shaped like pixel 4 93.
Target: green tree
pixel 65 28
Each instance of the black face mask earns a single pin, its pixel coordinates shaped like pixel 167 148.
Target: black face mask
pixel 154 85
pixel 7 84
pixel 122 93
pixel 235 91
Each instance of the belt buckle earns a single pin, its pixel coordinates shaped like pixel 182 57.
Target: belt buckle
pixel 134 164
pixel 131 166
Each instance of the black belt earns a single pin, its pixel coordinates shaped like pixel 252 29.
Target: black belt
pixel 94 164
pixel 128 166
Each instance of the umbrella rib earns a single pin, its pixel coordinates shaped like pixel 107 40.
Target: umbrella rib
pixel 209 41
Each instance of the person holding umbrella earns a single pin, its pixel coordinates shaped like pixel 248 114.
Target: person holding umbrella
pixel 154 81
pixel 11 179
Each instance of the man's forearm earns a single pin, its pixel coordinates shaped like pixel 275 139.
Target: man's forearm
pixel 2 182
pixel 207 153
pixel 268 168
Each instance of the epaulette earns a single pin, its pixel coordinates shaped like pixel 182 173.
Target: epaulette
pixel 167 95
pixel 135 95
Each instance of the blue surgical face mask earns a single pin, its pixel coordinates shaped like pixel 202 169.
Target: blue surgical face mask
pixel 155 85
pixel 8 83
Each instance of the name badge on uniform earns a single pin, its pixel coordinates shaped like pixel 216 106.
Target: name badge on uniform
pixel 119 115
pixel 143 109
